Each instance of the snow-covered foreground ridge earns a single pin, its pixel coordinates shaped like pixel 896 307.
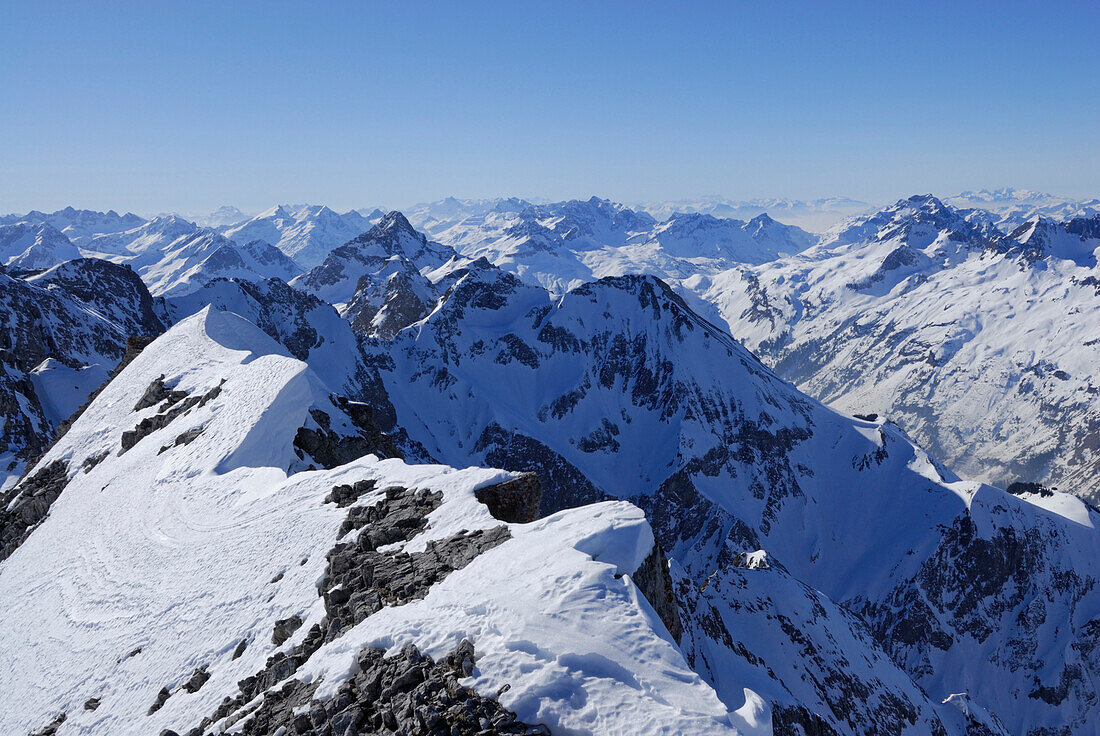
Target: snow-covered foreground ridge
pixel 177 557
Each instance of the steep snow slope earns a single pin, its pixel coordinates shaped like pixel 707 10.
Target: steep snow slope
pixel 618 389
pixel 26 246
pixel 305 233
pixel 191 558
pixel 310 330
pixel 980 345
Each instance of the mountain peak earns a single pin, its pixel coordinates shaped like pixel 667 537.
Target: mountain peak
pixel 395 221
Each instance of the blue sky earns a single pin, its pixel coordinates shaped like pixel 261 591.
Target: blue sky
pixel 153 106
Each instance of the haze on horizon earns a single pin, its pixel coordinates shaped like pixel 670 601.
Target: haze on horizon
pixel 155 108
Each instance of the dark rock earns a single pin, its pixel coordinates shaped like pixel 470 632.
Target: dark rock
pixel 240 649
pixel 330 449
pixel 407 694
pixel 26 505
pixel 91 703
pixel 653 580
pixel 157 393
pixel 516 501
pixel 161 420
pixel 345 495
pixel 284 628
pixel 162 698
pixel 51 728
pixel 198 679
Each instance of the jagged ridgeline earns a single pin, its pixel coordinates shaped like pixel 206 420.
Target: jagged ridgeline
pixel 519 477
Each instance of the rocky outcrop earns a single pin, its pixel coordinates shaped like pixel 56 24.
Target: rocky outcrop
pixel 360 580
pixel 175 404
pixel 28 503
pixel 405 694
pixel 330 448
pixel 653 580
pixel 516 501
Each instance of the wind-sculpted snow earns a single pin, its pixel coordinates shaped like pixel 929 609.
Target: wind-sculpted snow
pixel 622 382
pixel 308 328
pixel 979 344
pixel 165 579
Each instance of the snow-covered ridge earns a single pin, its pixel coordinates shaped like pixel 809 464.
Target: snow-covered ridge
pixel 157 565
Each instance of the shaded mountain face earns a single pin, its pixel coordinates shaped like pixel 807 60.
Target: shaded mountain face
pixel 618 389
pixel 978 343
pixel 64 330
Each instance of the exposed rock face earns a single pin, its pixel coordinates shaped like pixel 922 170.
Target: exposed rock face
pixel 359 581
pixel 653 580
pixel 28 503
pixel 516 501
pixel 330 448
pixel 392 238
pixel 175 404
pixel 407 694
pixel 114 291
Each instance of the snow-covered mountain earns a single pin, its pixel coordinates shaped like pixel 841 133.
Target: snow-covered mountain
pixel 175 256
pixel 27 246
pixel 305 233
pixel 79 226
pixel 210 579
pixel 224 216
pixel 978 343
pixel 697 547
pixel 617 389
pixel 63 331
pixel 368 256
pixel 814 215
pixel 1013 207
pixel 565 244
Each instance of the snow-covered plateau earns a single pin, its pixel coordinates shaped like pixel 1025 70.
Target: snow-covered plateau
pixel 523 467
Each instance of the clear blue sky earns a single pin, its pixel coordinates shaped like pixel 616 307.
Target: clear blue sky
pixel 151 106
